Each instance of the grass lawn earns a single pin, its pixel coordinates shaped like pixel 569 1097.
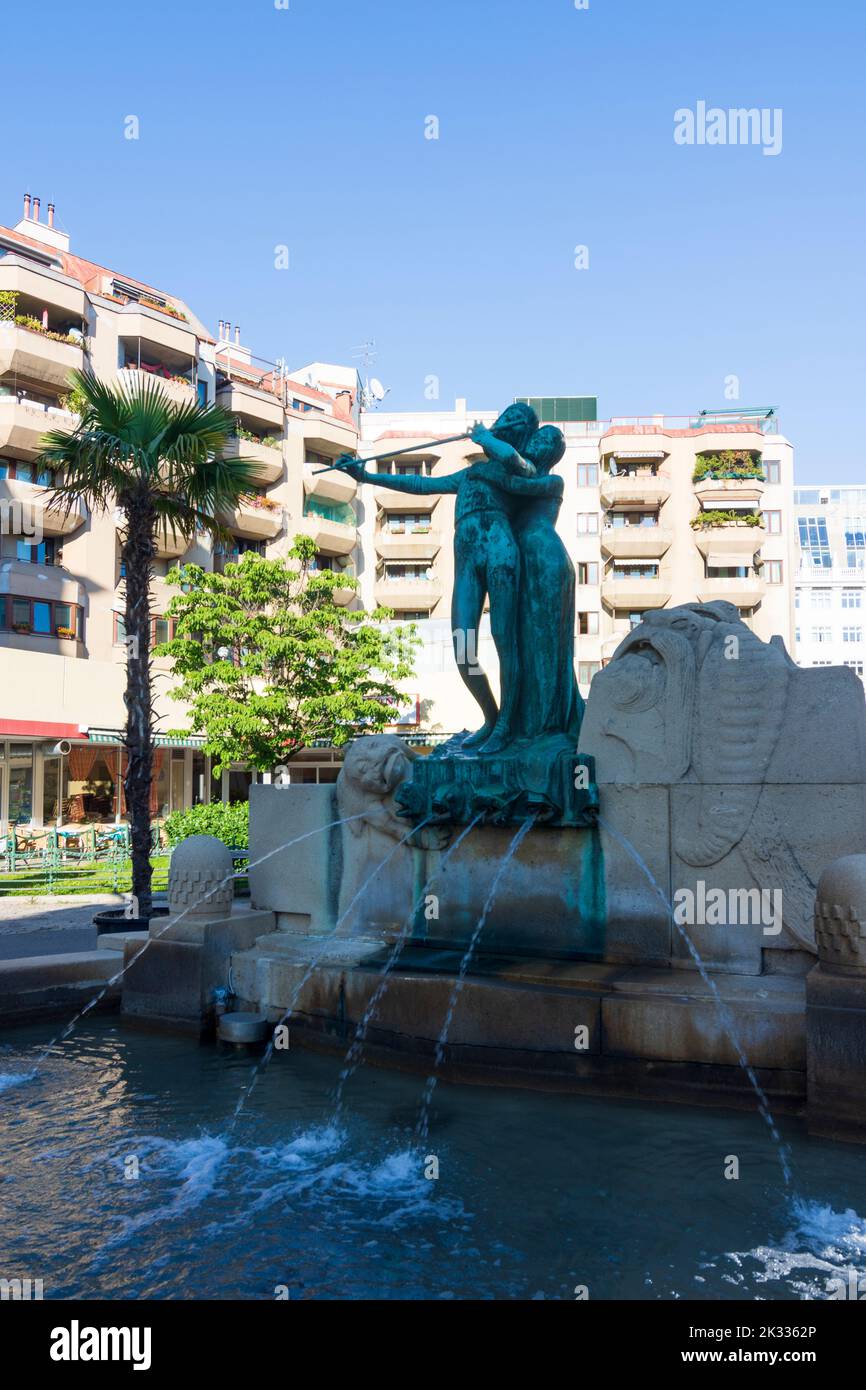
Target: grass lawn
pixel 95 876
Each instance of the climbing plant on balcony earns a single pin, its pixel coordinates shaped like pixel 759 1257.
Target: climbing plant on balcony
pixel 706 520
pixel 268 661
pixel 728 463
pixel 161 465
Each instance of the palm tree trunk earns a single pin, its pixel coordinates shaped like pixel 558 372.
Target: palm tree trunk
pixel 138 552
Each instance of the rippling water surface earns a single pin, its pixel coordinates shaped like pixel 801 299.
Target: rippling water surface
pixel 119 1178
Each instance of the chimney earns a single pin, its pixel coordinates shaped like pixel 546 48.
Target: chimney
pixel 26 206
pixel 51 214
pixel 228 330
pixel 237 335
pixel 220 331
pixel 36 209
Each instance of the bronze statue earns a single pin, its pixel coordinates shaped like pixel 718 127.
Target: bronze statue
pixel 523 759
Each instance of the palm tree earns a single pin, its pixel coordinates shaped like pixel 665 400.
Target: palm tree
pixel 162 466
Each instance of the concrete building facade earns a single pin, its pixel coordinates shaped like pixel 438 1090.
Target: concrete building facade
pixel 830 583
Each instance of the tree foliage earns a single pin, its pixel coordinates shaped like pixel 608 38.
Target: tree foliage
pixel 269 662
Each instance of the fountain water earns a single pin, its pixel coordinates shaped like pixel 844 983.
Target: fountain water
pixel 423 1124
pixel 353 1056
pixel 269 1050
pixel 723 1010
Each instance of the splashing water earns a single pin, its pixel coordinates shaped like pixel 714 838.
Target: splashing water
pixel 296 992
pixel 723 1010
pixel 353 1056
pixel 423 1124
pixel 170 922
pixel 822 1256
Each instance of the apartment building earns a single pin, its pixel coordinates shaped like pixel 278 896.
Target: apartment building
pixel 830 582
pixel 656 512
pixel 61 579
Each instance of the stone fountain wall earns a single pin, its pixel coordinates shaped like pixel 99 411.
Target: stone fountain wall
pixel 728 770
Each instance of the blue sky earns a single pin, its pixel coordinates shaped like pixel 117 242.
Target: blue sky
pixel 305 127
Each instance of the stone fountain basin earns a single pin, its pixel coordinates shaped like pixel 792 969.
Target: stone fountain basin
pixel 643 1031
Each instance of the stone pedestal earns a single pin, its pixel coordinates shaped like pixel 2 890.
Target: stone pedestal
pixel 170 984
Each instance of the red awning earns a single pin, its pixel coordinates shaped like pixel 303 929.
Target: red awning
pixel 37 728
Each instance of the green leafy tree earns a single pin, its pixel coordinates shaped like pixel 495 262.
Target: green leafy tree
pixel 161 464
pixel 268 661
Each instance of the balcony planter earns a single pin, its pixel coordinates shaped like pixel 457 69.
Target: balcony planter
pixel 23 628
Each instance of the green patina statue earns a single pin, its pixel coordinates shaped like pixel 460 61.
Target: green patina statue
pixel 506 548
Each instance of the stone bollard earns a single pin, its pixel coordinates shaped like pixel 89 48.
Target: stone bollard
pixel 200 888
pixel 836 1005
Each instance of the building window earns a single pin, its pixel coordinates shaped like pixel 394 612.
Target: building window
pixel 772 471
pixel 822 634
pixel 587 475
pixel 852 634
pixel 29 553
pixel 855 543
pixel 773 523
pixel 852 598
pixel 645 570
pixel 587 571
pixel 820 598
pixel 587 624
pixel 773 571
pixel 814 542
pixel 26 473
pixel 587 523
pixel 586 670
pixel 39 617
pixel 855 666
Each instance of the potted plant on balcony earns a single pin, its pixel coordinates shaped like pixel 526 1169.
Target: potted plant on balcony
pixel 160 465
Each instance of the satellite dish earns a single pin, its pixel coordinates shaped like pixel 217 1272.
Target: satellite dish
pixel 377 390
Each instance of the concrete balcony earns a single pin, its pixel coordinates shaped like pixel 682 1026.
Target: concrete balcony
pixel 745 593
pixel 170 544
pixel 49 582
pixel 410 544
pixel 261 407
pixel 636 542
pixel 408 593
pixel 30 509
pixel 257 522
pixel 639 488
pixel 148 326
pixel 178 392
pixel 393 501
pixel 23 423
pixel 32 356
pixel 718 494
pixel 331 537
pixel 268 458
pixel 635 594
pixel 729 546
pixel 42 286
pixel 333 486
pixel 324 434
